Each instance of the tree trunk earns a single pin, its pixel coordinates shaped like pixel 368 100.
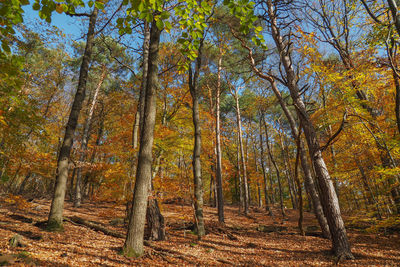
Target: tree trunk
pixel 155 221
pixel 241 195
pixel 134 241
pixel 267 204
pixel 85 140
pixel 140 106
pixel 57 204
pixel 297 179
pixel 245 189
pixel 23 184
pixel 196 162
pixel 276 169
pixel 71 185
pixel 288 172
pixel 218 174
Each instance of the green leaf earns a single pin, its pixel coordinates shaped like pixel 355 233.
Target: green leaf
pixel 167 25
pixel 99 5
pixel 164 15
pixel 160 24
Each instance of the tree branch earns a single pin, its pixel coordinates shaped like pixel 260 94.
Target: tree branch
pixel 336 134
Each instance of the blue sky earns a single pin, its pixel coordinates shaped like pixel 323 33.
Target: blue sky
pixel 70 26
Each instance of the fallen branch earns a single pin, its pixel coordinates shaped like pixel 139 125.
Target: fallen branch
pixel 94 226
pixel 170 253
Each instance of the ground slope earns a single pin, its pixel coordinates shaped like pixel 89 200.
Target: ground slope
pixel 257 240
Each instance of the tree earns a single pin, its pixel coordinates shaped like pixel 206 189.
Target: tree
pixel 197 175
pixel 57 204
pixel 340 243
pixel 134 241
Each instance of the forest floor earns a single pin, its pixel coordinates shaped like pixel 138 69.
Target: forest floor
pixel 256 240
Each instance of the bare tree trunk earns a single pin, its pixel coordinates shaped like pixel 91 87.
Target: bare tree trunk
pixel 134 241
pixel 198 180
pixel 241 195
pixel 288 172
pixel 85 140
pixel 267 204
pixel 218 174
pixel 245 189
pixel 297 179
pixel 269 150
pixel 57 204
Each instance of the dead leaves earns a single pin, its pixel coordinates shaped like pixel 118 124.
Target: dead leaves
pixel 241 241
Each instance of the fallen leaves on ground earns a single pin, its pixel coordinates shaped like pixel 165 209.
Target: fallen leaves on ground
pixel 243 240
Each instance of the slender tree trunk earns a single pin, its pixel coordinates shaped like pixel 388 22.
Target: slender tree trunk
pixel 288 172
pixel 134 242
pixel 196 162
pixel 239 174
pixel 245 189
pixel 269 150
pixel 23 184
pixel 271 182
pixel 57 204
pixel 218 175
pixel 212 199
pixel 297 179
pixel 247 184
pixel 85 140
pixel 267 204
pixel 71 185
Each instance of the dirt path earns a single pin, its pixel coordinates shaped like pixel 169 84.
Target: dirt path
pixel 243 240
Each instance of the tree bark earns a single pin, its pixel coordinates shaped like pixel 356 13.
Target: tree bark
pixel 218 174
pixel 297 179
pixel 267 204
pixel 134 241
pixel 57 204
pixel 196 162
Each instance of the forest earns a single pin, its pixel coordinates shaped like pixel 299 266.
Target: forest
pixel 199 132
